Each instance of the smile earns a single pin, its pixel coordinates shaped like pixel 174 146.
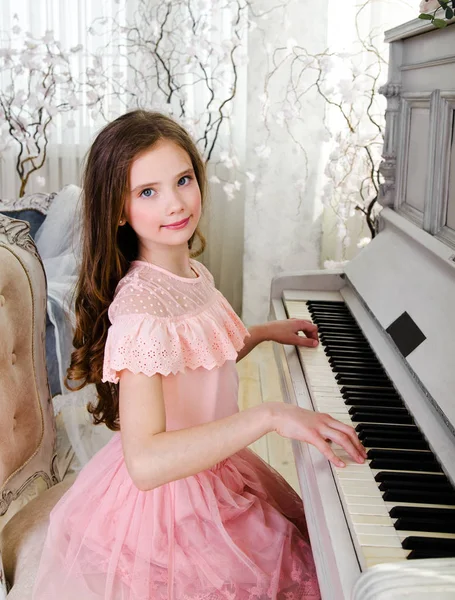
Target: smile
pixel 178 225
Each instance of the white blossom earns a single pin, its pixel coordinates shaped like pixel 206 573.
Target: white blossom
pixel 251 176
pixel 229 189
pixel 363 242
pixel 263 151
pixel 214 179
pixel 334 264
pixel 227 160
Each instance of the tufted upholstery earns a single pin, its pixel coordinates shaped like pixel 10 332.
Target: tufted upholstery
pixel 28 463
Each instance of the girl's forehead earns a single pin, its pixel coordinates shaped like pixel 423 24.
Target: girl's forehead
pixel 162 160
pixel 163 148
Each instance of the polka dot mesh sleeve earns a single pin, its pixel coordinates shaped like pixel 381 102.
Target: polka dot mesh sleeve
pixel 162 323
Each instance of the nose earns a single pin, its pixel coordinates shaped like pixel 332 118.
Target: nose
pixel 175 203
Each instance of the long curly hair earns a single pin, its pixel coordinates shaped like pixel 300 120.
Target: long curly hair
pixel 108 249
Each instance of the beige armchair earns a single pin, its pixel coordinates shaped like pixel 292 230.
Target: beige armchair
pixel 35 457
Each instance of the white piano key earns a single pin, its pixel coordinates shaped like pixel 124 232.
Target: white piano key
pixel 364 519
pixel 388 531
pixel 359 488
pixel 381 541
pixel 379 510
pixel 372 562
pixel 352 475
pixel 371 552
pixel 332 407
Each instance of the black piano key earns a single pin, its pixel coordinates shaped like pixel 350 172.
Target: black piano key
pixel 362 417
pixel 336 338
pixel 385 435
pixel 340 366
pixel 343 361
pixel 419 496
pixel 373 394
pixel 357 367
pixel 406 430
pixel 392 484
pixel 415 542
pixel 392 411
pixel 330 303
pixel 418 456
pixel 365 383
pixel 350 342
pixel 389 442
pixel 396 485
pixel 420 512
pixel 419 554
pixel 372 402
pixel 423 478
pixel 364 380
pixel 424 524
pixel 329 319
pixel 341 351
pixel 339 329
pixel 398 464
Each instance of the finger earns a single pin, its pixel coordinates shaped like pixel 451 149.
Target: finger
pixel 326 450
pixel 348 430
pixel 343 440
pixel 305 326
pixel 306 342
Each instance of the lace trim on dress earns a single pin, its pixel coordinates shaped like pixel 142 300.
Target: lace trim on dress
pixel 143 343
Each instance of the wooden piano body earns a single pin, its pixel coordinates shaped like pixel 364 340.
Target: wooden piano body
pixel 401 292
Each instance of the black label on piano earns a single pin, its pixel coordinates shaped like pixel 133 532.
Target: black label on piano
pixel 406 334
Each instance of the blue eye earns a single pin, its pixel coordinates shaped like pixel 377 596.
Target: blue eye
pixel 182 179
pixel 147 193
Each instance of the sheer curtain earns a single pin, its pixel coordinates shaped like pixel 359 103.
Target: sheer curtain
pixel 99 27
pixel 267 210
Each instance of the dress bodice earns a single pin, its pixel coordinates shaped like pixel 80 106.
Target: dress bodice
pixel 182 328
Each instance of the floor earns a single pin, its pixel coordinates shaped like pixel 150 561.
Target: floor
pixel 260 382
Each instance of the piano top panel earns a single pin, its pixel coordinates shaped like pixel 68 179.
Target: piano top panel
pixel 397 273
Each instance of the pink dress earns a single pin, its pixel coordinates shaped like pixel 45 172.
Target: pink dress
pixel 235 531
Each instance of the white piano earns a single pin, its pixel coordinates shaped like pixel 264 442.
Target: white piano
pixel 386 363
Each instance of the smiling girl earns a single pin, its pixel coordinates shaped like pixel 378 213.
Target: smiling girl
pixel 175 506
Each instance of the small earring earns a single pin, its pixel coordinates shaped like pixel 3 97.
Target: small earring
pixel 121 222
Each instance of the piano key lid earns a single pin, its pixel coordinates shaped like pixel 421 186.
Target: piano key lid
pixel 406 279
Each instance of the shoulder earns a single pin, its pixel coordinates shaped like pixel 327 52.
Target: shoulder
pixel 152 291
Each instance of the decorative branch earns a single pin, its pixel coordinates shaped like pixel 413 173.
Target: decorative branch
pixel 41 86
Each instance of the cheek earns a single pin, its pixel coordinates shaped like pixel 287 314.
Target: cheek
pixel 196 203
pixel 142 216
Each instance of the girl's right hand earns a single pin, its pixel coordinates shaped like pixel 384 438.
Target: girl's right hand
pixel 316 428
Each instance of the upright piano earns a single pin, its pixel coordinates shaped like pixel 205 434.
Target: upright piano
pixel 386 359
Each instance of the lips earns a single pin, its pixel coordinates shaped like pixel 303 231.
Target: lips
pixel 177 223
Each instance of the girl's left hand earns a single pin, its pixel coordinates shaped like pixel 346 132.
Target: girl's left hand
pixel 286 332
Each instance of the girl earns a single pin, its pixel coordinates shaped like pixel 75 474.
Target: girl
pixel 174 506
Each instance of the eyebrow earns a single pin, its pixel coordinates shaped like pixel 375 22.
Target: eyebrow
pixel 145 185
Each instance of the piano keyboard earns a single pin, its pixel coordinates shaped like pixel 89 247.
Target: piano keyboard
pixel 399 504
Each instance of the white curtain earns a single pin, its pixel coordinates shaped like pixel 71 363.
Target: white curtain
pixel 292 132
pixel 99 27
pixel 266 210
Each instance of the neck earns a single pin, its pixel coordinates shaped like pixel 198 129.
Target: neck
pixel 176 262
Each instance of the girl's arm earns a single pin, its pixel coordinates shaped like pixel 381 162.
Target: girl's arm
pixel 284 332
pixel 154 456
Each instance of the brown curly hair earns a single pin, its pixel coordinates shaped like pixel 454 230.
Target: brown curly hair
pixel 107 249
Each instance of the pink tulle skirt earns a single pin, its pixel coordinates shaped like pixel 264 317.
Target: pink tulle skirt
pixel 236 531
